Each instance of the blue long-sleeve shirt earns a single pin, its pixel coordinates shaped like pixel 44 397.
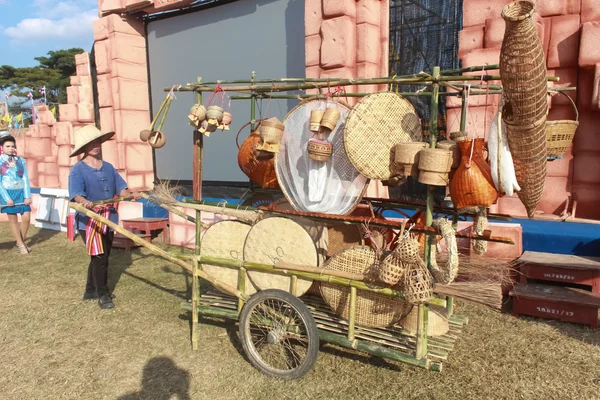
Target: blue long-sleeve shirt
pixel 95 184
pixel 14 178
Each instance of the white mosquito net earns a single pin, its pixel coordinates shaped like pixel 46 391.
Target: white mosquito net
pixel 330 187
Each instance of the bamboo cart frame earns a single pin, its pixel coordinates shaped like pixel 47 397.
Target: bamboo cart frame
pixel 393 343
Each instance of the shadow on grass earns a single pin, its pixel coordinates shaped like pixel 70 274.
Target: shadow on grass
pixel 161 380
pixel 39 237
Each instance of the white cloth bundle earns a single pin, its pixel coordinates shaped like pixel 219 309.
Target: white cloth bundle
pixel 501 162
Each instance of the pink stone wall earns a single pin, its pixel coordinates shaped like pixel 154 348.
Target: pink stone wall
pixel 120 53
pixel 570 33
pixel 348 39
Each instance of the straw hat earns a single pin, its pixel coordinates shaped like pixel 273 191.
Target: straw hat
pixel 86 135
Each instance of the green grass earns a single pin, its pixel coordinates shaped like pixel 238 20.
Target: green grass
pixel 54 346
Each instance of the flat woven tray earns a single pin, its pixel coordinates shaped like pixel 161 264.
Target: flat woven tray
pixel 372 309
pixel 374 126
pixel 278 239
pixel 225 239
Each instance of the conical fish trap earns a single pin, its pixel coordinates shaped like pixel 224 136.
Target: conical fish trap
pixel 225 239
pixel 524 83
pixel 375 125
pixel 372 309
pixel 330 187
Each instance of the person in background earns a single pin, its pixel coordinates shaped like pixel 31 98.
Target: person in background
pixel 15 190
pixel 93 179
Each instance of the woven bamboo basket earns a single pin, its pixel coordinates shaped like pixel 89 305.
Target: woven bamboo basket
pixel 392 269
pixel 375 125
pixel 260 170
pixel 458 136
pixel 372 309
pixel 434 166
pixel 330 119
pixel 522 65
pixel 315 120
pixel 319 150
pixel 560 133
pixel 529 158
pixel 406 158
pixel 453 147
pixel 198 112
pixel 277 239
pixel 214 113
pixel 271 130
pixel 524 82
pixel 417 284
pixel 472 183
pixel 225 239
pixel 437 324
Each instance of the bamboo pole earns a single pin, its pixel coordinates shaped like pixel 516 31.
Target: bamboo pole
pixel 316 270
pixel 171 209
pixel 195 299
pixel 251 214
pixel 157 250
pixel 352 314
pixel 417 79
pixel 110 201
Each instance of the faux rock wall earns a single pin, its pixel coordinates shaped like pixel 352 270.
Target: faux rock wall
pixel 570 33
pixel 348 39
pixel 122 81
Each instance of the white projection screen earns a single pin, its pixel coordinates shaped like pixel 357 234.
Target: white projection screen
pixel 223 42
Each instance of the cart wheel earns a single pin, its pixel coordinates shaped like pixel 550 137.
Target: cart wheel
pixel 278 334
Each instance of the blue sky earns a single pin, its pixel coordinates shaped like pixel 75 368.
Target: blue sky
pixel 31 28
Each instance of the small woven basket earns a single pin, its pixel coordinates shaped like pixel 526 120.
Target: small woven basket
pixel 214 112
pixel 406 158
pixel 434 166
pixel 271 131
pixel 453 147
pixel 319 150
pixel 417 284
pixel 330 118
pixel 560 133
pixel 391 270
pixel 315 120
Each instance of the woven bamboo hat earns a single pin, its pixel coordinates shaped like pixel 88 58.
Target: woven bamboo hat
pixel 86 135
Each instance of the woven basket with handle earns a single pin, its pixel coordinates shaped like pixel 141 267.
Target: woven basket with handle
pixel 560 133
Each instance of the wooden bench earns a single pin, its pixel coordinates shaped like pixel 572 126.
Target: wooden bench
pixel 148 225
pixel 556 302
pixel 561 268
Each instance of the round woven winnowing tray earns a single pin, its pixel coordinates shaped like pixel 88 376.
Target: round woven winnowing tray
pixel 317 231
pixel 225 239
pixel 343 185
pixel 375 125
pixel 276 239
pixel 372 309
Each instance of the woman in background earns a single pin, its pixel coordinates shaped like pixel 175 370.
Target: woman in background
pixel 15 190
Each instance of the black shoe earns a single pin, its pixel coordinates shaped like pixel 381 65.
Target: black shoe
pixel 87 296
pixel 105 302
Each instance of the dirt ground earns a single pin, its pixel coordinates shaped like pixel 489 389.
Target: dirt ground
pixel 54 346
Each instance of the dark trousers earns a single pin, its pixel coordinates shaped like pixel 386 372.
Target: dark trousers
pixel 97 278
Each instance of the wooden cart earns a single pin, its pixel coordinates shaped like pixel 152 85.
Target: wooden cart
pixel 280 332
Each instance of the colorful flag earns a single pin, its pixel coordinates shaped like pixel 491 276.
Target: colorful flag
pixel 20 117
pixel 7 118
pixel 43 90
pixel 30 95
pixel 7 95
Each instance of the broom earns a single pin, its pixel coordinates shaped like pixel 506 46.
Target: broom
pixel 480 280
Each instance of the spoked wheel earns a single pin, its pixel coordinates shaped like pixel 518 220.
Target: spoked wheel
pixel 278 334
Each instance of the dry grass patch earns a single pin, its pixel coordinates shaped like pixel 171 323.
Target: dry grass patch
pixel 54 346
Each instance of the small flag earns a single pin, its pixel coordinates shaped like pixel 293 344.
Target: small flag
pixel 20 118
pixel 30 95
pixel 43 90
pixel 53 111
pixel 7 95
pixel 7 118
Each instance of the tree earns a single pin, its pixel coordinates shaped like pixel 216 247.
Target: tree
pixel 54 73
